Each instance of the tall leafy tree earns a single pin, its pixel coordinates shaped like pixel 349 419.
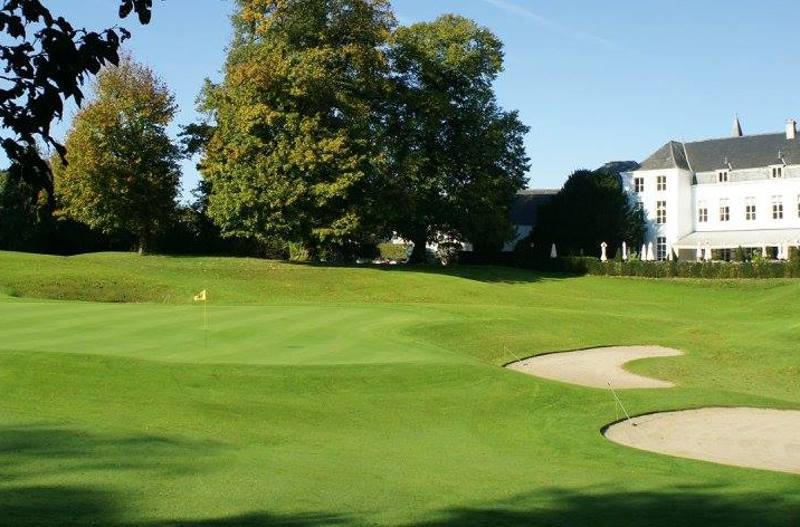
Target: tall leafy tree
pixel 21 211
pixel 458 159
pixel 590 209
pixel 296 147
pixel 45 62
pixel 122 175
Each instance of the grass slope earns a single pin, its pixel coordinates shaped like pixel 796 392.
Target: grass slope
pixel 359 396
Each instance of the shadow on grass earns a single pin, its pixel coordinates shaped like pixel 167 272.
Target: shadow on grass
pixel 80 462
pixel 40 451
pixel 700 507
pixel 478 273
pixel 69 506
pixel 74 506
pixel 56 454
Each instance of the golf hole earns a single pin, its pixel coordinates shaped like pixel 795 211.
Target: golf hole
pixel 743 437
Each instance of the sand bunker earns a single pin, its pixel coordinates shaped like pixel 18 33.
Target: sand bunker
pixel 596 367
pixel 744 437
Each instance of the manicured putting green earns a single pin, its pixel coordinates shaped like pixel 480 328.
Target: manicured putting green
pixel 234 334
pixel 362 396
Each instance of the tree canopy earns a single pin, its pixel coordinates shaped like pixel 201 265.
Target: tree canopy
pixel 122 174
pixel 296 147
pixel 458 157
pixel 45 62
pixel 592 208
pixel 334 127
pixel 20 210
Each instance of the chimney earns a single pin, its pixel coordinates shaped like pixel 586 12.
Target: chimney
pixel 791 130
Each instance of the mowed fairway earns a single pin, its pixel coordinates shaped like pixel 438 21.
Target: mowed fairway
pixel 360 396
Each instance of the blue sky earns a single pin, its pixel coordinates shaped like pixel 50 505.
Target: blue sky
pixel 595 80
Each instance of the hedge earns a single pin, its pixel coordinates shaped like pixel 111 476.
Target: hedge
pixel 673 269
pixel 758 268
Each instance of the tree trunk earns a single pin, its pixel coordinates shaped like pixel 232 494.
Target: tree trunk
pixel 419 254
pixel 144 244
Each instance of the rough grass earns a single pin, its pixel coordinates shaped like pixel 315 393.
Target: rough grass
pixel 361 396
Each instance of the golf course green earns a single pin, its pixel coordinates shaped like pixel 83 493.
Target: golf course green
pixel 369 396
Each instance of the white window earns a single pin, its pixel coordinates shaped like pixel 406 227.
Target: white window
pixel 661 212
pixel 661 183
pixel 777 208
pixel 722 176
pixel 702 213
pixel 638 184
pixel 776 171
pixel 750 209
pixel 661 249
pixel 724 210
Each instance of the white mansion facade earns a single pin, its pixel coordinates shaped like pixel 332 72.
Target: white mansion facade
pixel 720 194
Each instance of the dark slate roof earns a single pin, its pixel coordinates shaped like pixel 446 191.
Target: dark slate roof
pixel 525 208
pixel 750 151
pixel 617 167
pixel 668 156
pixel 743 152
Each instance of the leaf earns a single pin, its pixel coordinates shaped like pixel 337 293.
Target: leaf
pixel 125 8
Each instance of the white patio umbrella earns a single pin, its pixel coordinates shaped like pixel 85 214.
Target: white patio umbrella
pixel 643 254
pixel 624 252
pixel 708 255
pixel 670 256
pixel 603 255
pixel 651 255
pixel 764 251
pixel 553 251
pixel 699 252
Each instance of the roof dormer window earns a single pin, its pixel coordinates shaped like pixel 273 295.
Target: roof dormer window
pixel 776 171
pixel 722 176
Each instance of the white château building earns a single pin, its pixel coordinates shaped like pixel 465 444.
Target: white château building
pixel 720 194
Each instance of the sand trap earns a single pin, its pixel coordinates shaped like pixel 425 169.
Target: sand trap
pixel 596 367
pixel 744 437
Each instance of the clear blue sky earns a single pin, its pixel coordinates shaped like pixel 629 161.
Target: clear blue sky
pixel 596 81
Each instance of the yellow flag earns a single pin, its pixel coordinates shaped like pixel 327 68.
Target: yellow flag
pixel 202 296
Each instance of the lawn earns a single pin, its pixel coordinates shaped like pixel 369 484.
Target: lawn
pixel 363 396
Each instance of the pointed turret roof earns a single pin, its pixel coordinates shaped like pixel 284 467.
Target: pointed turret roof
pixel 737 127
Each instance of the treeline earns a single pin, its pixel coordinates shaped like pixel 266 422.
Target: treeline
pixel 333 129
pixel 592 208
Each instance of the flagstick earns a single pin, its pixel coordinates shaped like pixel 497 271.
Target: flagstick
pixel 620 403
pixel 205 323
pixel 505 348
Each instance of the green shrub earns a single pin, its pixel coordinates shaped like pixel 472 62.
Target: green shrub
pixel 448 253
pixel 794 256
pixel 759 268
pixel 393 251
pixel 298 252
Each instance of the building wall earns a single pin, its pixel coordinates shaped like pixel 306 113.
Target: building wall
pixel 748 174
pixel 678 198
pixel 737 193
pixel 520 233
pixel 684 199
